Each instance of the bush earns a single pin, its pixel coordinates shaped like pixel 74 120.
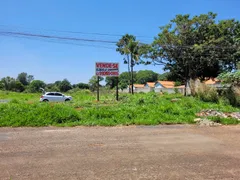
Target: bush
pixel 207 94
pixel 16 101
pixel 231 95
pixel 52 89
pixel 74 90
pixel 176 90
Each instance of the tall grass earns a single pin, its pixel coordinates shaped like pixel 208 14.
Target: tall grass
pixel 144 109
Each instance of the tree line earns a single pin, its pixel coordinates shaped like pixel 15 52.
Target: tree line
pixel 27 83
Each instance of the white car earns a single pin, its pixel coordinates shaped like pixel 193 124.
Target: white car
pixel 55 97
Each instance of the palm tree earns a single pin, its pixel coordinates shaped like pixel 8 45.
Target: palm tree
pixel 129 47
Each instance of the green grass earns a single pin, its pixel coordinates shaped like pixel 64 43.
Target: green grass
pixel 226 121
pixel 140 109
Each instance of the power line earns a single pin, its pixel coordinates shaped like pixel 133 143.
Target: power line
pixel 55 37
pixel 77 32
pixel 24 34
pixel 60 42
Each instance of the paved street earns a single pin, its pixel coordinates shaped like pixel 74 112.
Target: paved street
pixel 141 152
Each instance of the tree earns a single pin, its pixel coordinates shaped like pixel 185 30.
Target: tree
pixel 1 85
pixel 232 78
pixel 197 47
pixel 65 85
pixel 52 87
pixel 82 86
pixel 130 48
pixel 163 77
pixel 8 83
pixel 24 78
pixel 123 85
pixel 35 86
pixel 57 83
pixel 93 82
pixel 124 79
pixel 144 76
pixel 19 87
pixel 30 78
pixel 111 81
pixel 169 76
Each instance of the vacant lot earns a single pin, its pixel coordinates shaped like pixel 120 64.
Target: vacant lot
pixel 24 109
pixel 142 152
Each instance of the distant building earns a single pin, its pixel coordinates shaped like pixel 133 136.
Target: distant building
pixel 137 86
pixel 213 83
pixel 150 85
pixel 159 86
pixel 164 84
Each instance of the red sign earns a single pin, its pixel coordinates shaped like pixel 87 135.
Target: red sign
pixel 107 69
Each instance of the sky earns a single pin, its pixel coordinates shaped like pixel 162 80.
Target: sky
pixel 53 60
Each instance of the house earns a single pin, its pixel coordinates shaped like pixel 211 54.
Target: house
pixel 164 84
pixel 213 83
pixel 150 85
pixel 137 86
pixel 168 86
pixel 159 86
pixel 209 82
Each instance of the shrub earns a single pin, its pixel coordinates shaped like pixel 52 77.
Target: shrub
pixel 16 101
pixel 176 90
pixel 232 96
pixel 141 101
pixel 74 90
pixel 207 94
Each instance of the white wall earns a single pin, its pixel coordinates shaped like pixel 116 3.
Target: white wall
pixel 157 90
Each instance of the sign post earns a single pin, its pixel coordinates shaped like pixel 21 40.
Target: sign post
pixel 98 88
pixel 117 89
pixel 107 69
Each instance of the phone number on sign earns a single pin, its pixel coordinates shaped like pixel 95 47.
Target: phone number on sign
pixel 107 73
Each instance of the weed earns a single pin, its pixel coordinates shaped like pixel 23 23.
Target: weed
pixel 145 109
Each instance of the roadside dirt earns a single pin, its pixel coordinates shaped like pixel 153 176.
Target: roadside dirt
pixel 141 152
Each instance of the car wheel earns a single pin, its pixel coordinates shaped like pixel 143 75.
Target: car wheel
pixel 45 100
pixel 67 100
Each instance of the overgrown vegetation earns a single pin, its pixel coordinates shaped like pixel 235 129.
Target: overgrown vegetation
pixel 140 109
pixel 190 48
pixel 207 94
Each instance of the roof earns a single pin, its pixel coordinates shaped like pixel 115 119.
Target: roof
pixel 138 85
pixel 167 84
pixel 211 81
pixel 151 84
pixel 182 86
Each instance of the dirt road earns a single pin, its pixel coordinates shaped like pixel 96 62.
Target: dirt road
pixel 142 152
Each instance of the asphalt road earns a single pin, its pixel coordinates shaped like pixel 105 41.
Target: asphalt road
pixel 142 152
